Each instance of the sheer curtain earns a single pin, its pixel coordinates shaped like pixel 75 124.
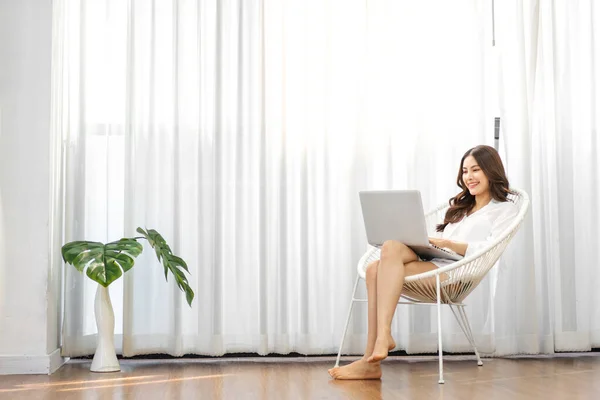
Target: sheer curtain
pixel 549 70
pixel 242 131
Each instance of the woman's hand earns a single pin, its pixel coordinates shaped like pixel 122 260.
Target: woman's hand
pixel 439 242
pixel 457 247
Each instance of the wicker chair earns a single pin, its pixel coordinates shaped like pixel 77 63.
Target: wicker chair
pixel 430 288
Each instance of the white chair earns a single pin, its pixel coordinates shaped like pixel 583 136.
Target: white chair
pixel 428 289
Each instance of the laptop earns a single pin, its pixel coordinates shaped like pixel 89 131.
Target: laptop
pixel 398 215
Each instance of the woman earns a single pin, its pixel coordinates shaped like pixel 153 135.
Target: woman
pixel 479 213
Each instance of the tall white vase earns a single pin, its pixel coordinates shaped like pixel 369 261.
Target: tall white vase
pixel 105 358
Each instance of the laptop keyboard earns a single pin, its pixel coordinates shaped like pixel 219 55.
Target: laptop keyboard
pixel 444 250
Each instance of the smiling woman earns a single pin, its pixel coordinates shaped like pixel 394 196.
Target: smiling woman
pixel 482 209
pixel 476 217
pixel 481 177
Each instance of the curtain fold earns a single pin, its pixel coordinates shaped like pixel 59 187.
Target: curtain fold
pixel 548 67
pixel 243 131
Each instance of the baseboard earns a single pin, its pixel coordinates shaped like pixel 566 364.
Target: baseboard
pixel 17 365
pixel 56 361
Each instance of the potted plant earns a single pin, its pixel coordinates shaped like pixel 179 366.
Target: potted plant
pixel 105 263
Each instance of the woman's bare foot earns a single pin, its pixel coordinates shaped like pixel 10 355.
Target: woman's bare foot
pixel 382 346
pixel 359 369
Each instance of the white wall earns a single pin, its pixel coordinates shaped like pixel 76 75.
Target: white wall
pixel 29 297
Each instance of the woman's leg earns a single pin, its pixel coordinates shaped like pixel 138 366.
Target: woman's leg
pixel 386 306
pixel 361 369
pixel 390 279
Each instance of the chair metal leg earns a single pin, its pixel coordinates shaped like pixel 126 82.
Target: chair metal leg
pixel 468 332
pixel 439 319
pixel 337 361
pixel 461 317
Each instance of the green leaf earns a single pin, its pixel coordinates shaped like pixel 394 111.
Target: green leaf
pixel 79 253
pixel 170 262
pixel 102 273
pixel 189 295
pixel 102 263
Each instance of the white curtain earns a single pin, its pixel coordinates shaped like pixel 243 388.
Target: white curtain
pixel 549 72
pixel 243 130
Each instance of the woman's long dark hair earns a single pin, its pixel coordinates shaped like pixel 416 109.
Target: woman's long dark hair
pixel 490 163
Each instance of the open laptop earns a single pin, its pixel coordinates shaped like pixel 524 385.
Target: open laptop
pixel 398 215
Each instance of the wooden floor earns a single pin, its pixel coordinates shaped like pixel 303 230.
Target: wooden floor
pixel 560 377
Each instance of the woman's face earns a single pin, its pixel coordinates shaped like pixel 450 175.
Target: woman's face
pixel 474 178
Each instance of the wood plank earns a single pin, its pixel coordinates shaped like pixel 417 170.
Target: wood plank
pixel 404 377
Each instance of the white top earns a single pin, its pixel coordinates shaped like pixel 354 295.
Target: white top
pixel 479 228
pixel 483 226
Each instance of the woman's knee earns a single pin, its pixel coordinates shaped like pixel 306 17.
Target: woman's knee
pixel 392 248
pixel 395 249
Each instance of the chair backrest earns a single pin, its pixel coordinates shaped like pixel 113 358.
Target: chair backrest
pixel 461 277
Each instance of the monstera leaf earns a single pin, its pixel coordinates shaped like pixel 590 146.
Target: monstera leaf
pixel 103 263
pixel 169 261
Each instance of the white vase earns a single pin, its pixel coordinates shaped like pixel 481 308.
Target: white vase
pixel 105 358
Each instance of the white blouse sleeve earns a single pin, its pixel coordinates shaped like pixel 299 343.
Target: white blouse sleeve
pixel 503 220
